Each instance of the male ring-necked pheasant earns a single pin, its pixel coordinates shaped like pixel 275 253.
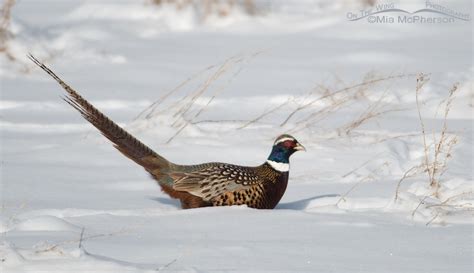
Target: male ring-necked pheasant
pixel 208 184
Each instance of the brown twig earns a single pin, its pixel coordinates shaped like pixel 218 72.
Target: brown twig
pixel 364 179
pixel 451 198
pixel 81 239
pixel 264 114
pixel 439 147
pixel 360 166
pixel 82 236
pixel 422 201
pixel 409 173
pixel 432 219
pixel 421 80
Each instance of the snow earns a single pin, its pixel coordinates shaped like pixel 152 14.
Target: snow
pixel 72 203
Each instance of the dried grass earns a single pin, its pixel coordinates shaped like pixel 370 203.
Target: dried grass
pixel 186 111
pixel 370 177
pixel 409 173
pixel 5 22
pixel 80 241
pixel 374 110
pixel 436 154
pixel 322 102
pixel 337 100
pixel 265 113
pixel 333 102
pixel 152 110
pixel 188 101
pixel 207 8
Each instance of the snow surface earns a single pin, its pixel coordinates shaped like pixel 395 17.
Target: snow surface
pixel 61 181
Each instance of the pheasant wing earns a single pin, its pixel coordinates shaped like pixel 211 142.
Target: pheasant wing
pixel 214 180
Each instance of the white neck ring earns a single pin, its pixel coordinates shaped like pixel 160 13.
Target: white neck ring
pixel 281 167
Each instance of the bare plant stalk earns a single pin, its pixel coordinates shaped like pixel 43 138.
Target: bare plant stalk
pixel 218 121
pixel 177 132
pixel 439 147
pixel 151 109
pixel 366 178
pixel 422 201
pixel 435 168
pixel 334 105
pixel 203 88
pixel 208 8
pixel 395 137
pixel 181 108
pixel 215 94
pixel 317 116
pixel 367 117
pixel 432 219
pixel 195 96
pixel 220 71
pixel 167 265
pixel 343 197
pixel 264 114
pixel 5 33
pixel 409 173
pixel 81 238
pixel 360 166
pixel 449 144
pixel 420 81
pixel 5 14
pixel 191 98
pixel 451 198
pixel 200 111
pixel 437 165
pixel 369 82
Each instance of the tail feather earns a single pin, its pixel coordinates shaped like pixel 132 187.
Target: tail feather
pixel 122 140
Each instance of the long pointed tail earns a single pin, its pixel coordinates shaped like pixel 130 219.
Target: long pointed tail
pixel 122 140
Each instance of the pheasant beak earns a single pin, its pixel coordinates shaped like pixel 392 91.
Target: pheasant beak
pixel 299 147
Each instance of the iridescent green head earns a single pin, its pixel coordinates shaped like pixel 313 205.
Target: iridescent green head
pixel 284 146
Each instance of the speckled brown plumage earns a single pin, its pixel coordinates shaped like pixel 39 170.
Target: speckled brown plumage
pixel 208 184
pixel 226 184
pixel 263 195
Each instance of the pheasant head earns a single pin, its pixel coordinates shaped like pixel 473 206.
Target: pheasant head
pixel 284 146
